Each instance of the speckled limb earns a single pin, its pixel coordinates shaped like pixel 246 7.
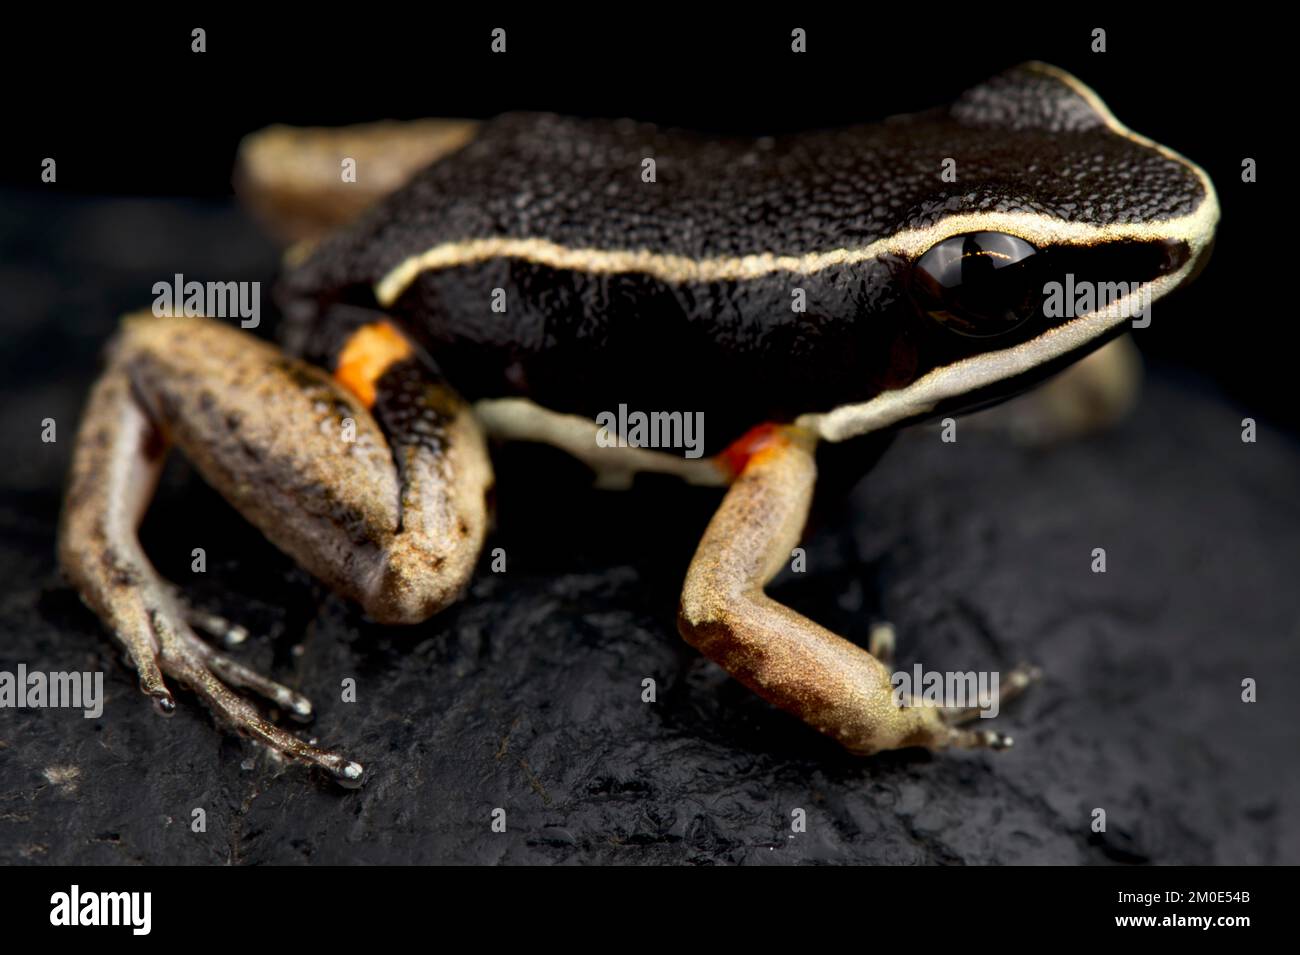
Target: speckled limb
pixel 392 516
pixel 291 177
pixel 831 684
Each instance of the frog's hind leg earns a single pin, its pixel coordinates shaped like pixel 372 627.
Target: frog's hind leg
pixel 119 455
pixel 296 181
pixel 831 684
pixel 386 507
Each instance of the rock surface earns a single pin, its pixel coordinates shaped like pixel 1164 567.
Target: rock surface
pixel 527 696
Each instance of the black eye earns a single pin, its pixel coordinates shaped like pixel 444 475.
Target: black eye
pixel 978 284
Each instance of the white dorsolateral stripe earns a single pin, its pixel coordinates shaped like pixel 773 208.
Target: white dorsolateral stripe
pixel 1196 229
pixel 910 244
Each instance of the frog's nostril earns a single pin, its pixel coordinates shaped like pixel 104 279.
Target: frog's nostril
pixel 1175 253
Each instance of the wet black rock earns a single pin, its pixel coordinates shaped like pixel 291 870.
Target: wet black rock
pixel 527 696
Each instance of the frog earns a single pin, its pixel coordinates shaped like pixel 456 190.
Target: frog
pixel 518 278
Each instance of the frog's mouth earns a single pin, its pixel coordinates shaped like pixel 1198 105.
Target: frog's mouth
pixel 1090 293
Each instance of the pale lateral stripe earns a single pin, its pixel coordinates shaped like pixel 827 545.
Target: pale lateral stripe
pixel 909 244
pixel 1033 228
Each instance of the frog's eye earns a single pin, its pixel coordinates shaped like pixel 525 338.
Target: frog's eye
pixel 979 284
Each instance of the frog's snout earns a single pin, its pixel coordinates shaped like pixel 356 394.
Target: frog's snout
pixel 1202 259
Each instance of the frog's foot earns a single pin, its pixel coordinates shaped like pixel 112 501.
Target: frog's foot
pixel 388 508
pixel 881 645
pixel 831 684
pixel 214 625
pixel 213 676
pixel 1014 683
pixel 181 612
pixel 227 668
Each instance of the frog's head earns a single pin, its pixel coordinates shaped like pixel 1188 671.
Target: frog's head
pixel 1053 231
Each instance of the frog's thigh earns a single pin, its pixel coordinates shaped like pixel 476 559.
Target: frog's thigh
pixel 297 179
pixel 1090 395
pixel 387 508
pixel 828 682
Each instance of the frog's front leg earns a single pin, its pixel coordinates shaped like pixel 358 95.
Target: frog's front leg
pixel 387 507
pixel 831 684
pixel 518 419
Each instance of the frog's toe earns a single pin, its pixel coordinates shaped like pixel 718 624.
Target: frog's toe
pixel 979 739
pixel 1010 686
pixel 229 669
pixel 882 643
pixel 230 634
pixel 236 674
